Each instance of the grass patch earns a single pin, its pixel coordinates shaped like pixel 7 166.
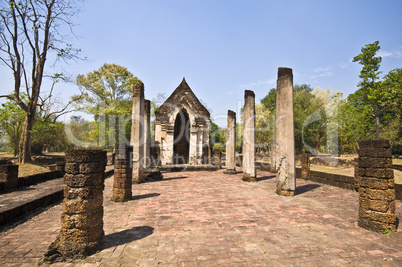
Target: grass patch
pixel 31 169
pixel 397 161
pixel 351 172
pixel 5 155
pixel 334 170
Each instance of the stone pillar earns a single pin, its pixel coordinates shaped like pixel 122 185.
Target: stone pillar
pixel 193 145
pixel 217 158
pixel 305 163
pixel 231 144
pixel 377 188
pixel 249 170
pixel 147 134
pixel 123 174
pixel 137 132
pixel 200 145
pixel 273 156
pixel 81 230
pixel 285 134
pixel 8 174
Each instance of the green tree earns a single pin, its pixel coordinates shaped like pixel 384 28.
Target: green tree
pixel 108 96
pixel 49 136
pixel 30 32
pixel 263 127
pixel 217 137
pixel 373 92
pixel 309 117
pixel 11 121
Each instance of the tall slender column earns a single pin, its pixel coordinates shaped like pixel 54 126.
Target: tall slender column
pixel 231 144
pixel 273 156
pixel 200 145
pixel 147 134
pixel 137 132
pixel 249 170
pixel 285 134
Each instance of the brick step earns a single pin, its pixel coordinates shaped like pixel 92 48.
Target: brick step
pixel 18 204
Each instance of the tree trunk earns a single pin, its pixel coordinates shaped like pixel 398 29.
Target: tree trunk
pixel 15 149
pixel 25 140
pixel 377 123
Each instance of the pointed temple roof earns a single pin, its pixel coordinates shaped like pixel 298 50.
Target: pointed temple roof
pixel 182 95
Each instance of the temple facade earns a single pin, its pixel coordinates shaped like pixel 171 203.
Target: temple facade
pixel 182 129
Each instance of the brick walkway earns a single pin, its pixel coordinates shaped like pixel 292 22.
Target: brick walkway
pixel 211 219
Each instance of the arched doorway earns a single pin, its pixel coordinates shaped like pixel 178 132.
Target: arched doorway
pixel 181 149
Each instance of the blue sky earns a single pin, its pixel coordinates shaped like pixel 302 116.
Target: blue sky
pixel 224 47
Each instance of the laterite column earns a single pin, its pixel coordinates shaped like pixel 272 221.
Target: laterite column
pixel 217 158
pixel 231 144
pixel 305 165
pixel 285 134
pixel 82 218
pixel 147 134
pixel 249 170
pixel 137 133
pixel 273 156
pixel 376 186
pixel 123 174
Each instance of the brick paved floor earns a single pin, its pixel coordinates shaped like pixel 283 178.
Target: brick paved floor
pixel 212 219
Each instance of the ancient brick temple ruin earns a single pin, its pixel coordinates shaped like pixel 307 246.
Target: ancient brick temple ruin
pixel 182 128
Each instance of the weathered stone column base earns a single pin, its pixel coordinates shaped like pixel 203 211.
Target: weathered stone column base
pixel 248 178
pixel 152 174
pixel 121 191
pixel 70 252
pixel 287 193
pixel 138 176
pixel 81 230
pixel 231 172
pixel 376 186
pixel 377 221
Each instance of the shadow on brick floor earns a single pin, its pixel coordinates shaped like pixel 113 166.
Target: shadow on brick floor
pixel 145 196
pixel 259 179
pixel 305 188
pixel 126 236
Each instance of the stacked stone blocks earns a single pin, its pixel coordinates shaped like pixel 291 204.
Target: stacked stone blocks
pixel 217 158
pixel 8 174
pixel 81 230
pixel 376 186
pixel 122 184
pixel 305 163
